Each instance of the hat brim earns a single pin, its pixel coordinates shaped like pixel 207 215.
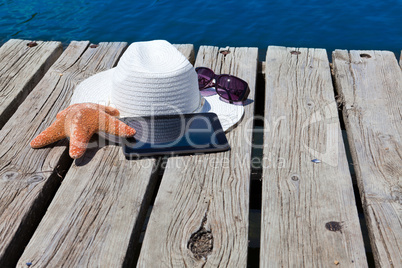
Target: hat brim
pixel 97 89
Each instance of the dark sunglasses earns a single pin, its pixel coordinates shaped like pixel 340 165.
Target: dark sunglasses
pixel 227 86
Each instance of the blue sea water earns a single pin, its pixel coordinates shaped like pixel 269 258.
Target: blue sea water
pixel 341 24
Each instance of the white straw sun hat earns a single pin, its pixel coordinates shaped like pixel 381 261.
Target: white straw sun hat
pixel 154 78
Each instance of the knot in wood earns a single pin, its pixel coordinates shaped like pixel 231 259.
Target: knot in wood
pixel 201 243
pixel 385 137
pixel 35 178
pixel 10 175
pixel 334 226
pixel 294 52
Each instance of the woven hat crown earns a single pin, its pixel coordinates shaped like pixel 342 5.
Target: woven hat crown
pixel 154 78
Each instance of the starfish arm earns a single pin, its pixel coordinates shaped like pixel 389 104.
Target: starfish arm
pixel 52 134
pixel 79 122
pixel 114 126
pixel 110 110
pixel 79 139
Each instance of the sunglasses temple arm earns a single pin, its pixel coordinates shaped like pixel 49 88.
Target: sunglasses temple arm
pixel 230 98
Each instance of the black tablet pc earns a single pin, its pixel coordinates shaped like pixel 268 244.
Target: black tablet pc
pixel 174 135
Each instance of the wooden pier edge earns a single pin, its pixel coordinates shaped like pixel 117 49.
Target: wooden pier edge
pixel 309 215
pixel 370 85
pixel 22 67
pixel 200 215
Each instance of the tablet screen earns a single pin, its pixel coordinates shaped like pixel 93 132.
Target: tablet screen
pixel 175 134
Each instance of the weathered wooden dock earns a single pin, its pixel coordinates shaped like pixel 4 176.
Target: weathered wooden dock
pixel 91 212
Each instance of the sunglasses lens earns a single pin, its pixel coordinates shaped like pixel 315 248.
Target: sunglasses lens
pixel 231 88
pixel 205 77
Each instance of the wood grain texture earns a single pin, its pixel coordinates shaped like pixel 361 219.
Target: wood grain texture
pixel 370 84
pixel 28 177
pixel 97 214
pixel 309 215
pixel 96 217
pixel 203 200
pixel 21 68
pixel 188 51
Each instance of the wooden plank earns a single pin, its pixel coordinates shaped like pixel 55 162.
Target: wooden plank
pixel 200 215
pixel 97 215
pixel 187 50
pixel 370 84
pixel 304 203
pixel 29 178
pixel 21 68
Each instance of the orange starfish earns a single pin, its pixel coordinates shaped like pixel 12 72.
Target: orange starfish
pixel 79 122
